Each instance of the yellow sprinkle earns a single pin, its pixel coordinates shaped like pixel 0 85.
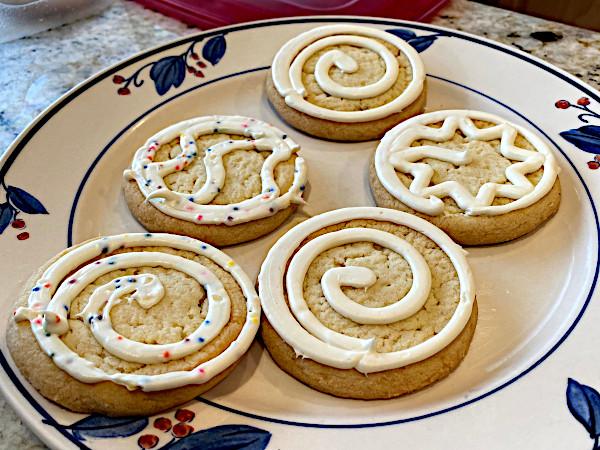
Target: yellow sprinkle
pixel 231 264
pixel 253 320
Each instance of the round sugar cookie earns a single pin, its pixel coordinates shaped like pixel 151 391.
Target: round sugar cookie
pixel 477 176
pixel 346 82
pixel 133 324
pixel 220 179
pixel 367 303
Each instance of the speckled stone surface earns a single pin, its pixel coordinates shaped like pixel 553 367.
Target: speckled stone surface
pixel 37 70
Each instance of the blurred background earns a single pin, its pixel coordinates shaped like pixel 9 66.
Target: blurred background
pixel 19 18
pixel 581 13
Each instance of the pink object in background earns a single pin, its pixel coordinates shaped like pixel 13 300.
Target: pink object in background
pixel 211 14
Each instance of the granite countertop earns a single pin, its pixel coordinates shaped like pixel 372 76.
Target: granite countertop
pixel 38 69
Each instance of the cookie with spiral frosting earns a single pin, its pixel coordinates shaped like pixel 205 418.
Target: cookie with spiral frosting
pixel 346 82
pixel 133 324
pixel 479 177
pixel 367 303
pixel 221 179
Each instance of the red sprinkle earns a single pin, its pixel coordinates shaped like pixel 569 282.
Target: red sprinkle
pixel 23 236
pixel 47 285
pixel 201 370
pixel 166 355
pixel 72 281
pixel 57 319
pixel 199 217
pixel 38 321
pixel 120 338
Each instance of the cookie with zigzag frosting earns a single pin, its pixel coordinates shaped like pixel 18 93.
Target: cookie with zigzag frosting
pixel 475 175
pixel 221 179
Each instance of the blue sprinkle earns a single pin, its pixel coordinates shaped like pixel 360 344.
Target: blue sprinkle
pixel 99 317
pixel 204 247
pixel 51 355
pixel 191 199
pixel 194 154
pixel 117 280
pixel 145 167
pixel 148 235
pixel 200 339
pixel 118 286
pixel 209 149
pixel 104 249
pixel 216 130
pixel 111 262
pixel 271 189
pixel 66 307
pixel 191 142
pixel 301 188
pixel 132 280
pixel 218 122
pixel 284 136
pixel 207 322
pixel 47 334
pixel 35 289
pixel 235 208
pixel 90 319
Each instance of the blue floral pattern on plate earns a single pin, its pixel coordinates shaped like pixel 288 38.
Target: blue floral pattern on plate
pixel 18 201
pixel 170 71
pixel 175 432
pixel 584 403
pixel 587 137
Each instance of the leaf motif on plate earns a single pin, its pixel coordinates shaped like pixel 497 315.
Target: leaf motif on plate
pixel 214 49
pixel 6 215
pixel 586 138
pixel 24 201
pixel 422 43
pixel 166 72
pixel 584 403
pixel 402 33
pixel 419 43
pixel 97 426
pixel 224 437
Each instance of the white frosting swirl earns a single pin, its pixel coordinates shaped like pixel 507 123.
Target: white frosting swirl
pixel 50 301
pixel 290 59
pixel 395 153
pixel 309 337
pixel 194 207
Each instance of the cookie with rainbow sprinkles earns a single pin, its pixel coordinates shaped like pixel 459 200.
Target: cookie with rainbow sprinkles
pixel 346 82
pixel 367 303
pixel 133 324
pixel 221 179
pixel 477 176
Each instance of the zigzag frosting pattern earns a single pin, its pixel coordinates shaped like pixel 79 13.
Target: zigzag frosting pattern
pixel 395 153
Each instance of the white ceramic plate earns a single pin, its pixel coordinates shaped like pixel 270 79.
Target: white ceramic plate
pixel 539 313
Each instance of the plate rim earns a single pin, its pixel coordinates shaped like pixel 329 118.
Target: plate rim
pixel 20 142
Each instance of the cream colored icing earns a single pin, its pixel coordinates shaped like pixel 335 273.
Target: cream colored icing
pixel 395 153
pixel 290 59
pixel 194 207
pixel 311 339
pixel 50 301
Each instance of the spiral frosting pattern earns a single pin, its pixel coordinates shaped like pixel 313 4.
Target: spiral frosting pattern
pixel 290 60
pixel 309 337
pixel 49 306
